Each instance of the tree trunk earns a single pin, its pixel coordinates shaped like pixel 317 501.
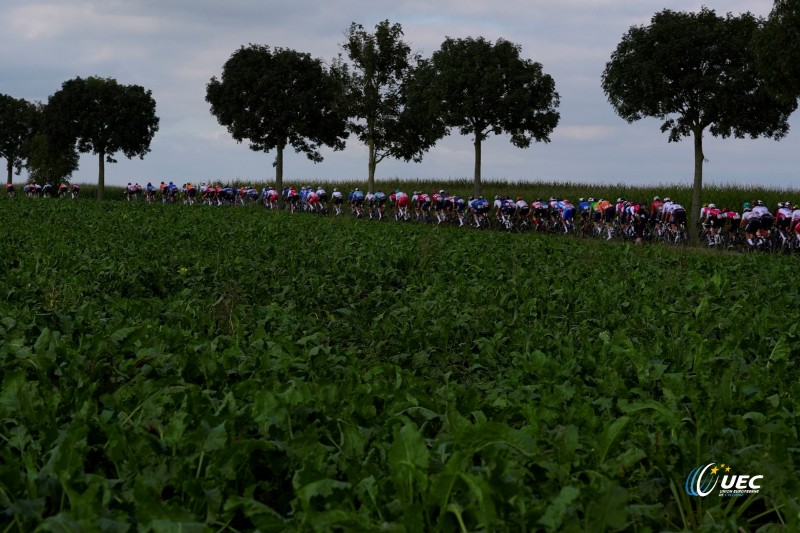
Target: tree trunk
pixel 101 178
pixel 279 170
pixel 477 176
pixel 372 165
pixel 10 167
pixel 697 189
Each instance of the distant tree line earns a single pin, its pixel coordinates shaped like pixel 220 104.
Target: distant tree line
pixel 696 72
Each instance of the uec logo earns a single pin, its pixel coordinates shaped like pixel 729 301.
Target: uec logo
pixel 702 481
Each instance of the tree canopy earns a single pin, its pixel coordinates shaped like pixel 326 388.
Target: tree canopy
pixel 778 46
pixel 388 118
pixel 280 97
pixel 103 117
pixel 695 72
pixel 486 88
pixel 17 126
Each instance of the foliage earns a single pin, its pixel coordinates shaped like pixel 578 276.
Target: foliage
pixel 285 373
pixel 487 88
pixel 696 72
pixel 778 53
pixel 49 161
pixel 17 126
pixel 275 98
pixel 383 116
pixel 103 117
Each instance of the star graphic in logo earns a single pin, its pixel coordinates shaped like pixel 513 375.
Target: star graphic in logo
pixel 714 470
pixel 728 469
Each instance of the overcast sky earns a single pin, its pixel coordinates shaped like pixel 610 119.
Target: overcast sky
pixel 173 47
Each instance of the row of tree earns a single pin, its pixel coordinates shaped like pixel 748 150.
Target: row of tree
pixel 396 103
pixel 93 115
pixel 731 76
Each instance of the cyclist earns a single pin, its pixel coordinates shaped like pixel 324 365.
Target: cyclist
pixel 380 204
pixel 734 220
pixel 437 201
pixel 10 189
pixel 765 217
pixel 751 222
pixel 538 212
pixel 172 192
pixel 584 210
pixel 566 213
pixel 76 189
pixel 714 218
pixel 337 198
pixel 356 201
pixel 523 211
pixel 479 208
pixel 322 196
pixel 783 219
pixel 47 190
pixel 312 200
pixel 655 207
pixel 403 203
pixel 369 201
pixel 459 208
pixel 63 188
pixel 150 193
pixel 508 209
pixel 604 216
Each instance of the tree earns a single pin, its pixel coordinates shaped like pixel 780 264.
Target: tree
pixel 383 113
pixel 778 47
pixel 103 117
pixel 275 98
pixel 17 123
pixel 694 71
pixel 487 88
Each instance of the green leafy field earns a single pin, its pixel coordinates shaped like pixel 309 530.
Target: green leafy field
pixel 175 368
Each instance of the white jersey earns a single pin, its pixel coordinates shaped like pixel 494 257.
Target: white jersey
pixel 337 195
pixel 761 210
pixel 321 192
pixel 796 215
pixel 522 204
pixel 784 212
pixel 749 215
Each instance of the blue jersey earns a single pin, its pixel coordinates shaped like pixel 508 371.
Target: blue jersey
pixel 584 207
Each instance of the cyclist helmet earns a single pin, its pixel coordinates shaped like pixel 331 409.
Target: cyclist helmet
pixel 667 199
pixel 746 205
pixel 441 191
pixel 712 206
pixel 780 204
pixel 496 196
pixel 656 198
pixel 335 189
pixel 519 198
pixel 581 200
pixel 759 202
pixel 357 189
pixel 552 198
pixel 591 199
